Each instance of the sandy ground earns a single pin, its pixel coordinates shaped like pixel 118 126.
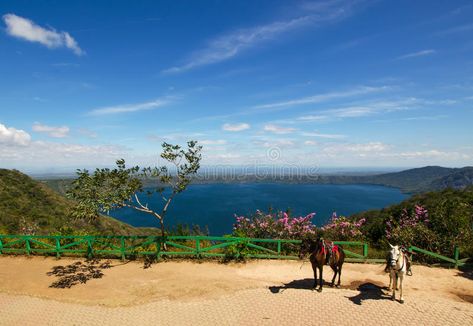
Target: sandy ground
pixel 206 290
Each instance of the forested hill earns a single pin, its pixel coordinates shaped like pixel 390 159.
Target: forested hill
pixel 424 179
pixel 25 202
pixel 450 220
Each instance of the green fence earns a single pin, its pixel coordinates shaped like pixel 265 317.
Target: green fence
pixel 187 246
pixel 195 246
pixel 455 260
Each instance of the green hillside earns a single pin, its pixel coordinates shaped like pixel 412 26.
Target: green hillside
pixel 25 202
pixel 423 179
pixel 450 215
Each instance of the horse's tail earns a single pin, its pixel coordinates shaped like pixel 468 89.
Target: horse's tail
pixel 342 254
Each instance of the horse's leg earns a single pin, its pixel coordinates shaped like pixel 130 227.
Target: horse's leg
pixel 390 281
pixel 314 268
pixel 401 278
pixel 335 271
pixel 321 269
pixel 394 279
pixel 339 274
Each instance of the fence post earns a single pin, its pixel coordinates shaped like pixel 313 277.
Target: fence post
pixel 456 256
pixel 58 248
pixel 89 248
pixel 197 246
pixel 28 247
pixel 279 247
pixel 365 250
pixel 122 247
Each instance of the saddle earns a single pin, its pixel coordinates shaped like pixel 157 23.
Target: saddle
pixel 329 249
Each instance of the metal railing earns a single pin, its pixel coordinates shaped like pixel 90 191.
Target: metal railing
pixel 188 246
pixel 195 246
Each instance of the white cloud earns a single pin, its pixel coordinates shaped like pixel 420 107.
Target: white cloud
pixel 235 127
pixel 416 54
pixel 354 111
pixel 368 109
pixel 279 143
pixel 323 97
pixel 229 45
pixel 178 137
pixel 359 149
pixel 310 143
pixel 311 117
pixel 40 155
pixel 233 43
pixel 456 29
pixel 431 154
pixel 319 135
pixel 129 108
pixel 278 129
pixel 87 133
pixel 56 132
pixel 212 142
pixel 27 30
pixel 10 136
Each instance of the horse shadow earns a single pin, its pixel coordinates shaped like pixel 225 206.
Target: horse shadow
pixel 369 291
pixel 302 284
pixel 466 271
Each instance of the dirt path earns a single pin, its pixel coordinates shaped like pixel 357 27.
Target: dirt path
pixel 258 292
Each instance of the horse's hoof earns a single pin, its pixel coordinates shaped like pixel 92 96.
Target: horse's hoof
pixel 319 289
pixel 331 285
pixel 393 298
pixel 401 301
pixel 338 286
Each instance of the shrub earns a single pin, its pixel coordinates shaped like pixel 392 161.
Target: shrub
pixel 274 225
pixel 342 229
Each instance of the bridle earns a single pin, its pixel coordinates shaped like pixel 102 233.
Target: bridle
pixel 401 254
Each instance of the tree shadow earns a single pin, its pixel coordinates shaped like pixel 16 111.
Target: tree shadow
pixel 77 273
pixel 303 284
pixel 369 291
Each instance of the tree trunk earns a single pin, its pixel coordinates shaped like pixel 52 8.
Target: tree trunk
pixel 163 232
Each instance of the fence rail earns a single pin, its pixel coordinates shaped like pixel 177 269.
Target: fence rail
pixel 190 246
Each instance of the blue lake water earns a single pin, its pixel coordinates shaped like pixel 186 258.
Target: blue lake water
pixel 214 205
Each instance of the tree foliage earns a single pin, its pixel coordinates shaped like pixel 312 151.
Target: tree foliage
pixel 108 189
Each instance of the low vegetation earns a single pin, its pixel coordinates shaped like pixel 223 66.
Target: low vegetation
pixel 436 221
pixel 29 207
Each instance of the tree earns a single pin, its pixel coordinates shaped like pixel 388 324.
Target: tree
pixel 108 189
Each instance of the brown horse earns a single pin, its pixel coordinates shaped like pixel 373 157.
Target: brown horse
pixel 323 252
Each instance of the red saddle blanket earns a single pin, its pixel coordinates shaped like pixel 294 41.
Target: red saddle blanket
pixel 326 247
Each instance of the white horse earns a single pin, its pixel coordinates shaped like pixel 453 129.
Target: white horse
pixel 397 262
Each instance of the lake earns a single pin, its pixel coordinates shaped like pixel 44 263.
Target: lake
pixel 214 205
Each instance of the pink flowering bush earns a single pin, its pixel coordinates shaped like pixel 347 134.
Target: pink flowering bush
pixel 274 225
pixel 342 229
pixel 412 228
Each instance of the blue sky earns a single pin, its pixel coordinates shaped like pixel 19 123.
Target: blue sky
pixel 287 83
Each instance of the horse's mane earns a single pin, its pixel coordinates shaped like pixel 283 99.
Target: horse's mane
pixel 313 245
